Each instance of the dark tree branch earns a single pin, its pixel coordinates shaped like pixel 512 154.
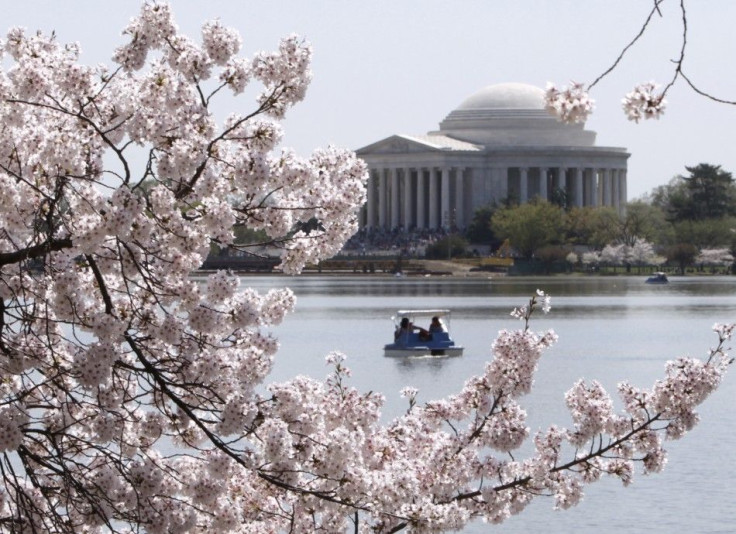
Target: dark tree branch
pixel 655 9
pixel 678 63
pixel 36 251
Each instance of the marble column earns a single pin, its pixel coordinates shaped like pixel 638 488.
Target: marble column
pixel 371 201
pixel 459 197
pixel 615 197
pixel 621 177
pixel 408 215
pixel 382 196
pixel 393 172
pixel 594 188
pixel 611 192
pixel 606 185
pixel 500 177
pixel 624 193
pixel 579 187
pixel 562 182
pixel 543 183
pixel 445 198
pixel 421 214
pixel 433 194
pixel 523 185
pixel 562 178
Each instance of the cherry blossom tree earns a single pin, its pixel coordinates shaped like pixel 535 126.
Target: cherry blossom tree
pixel 642 253
pixel 613 255
pixel 134 398
pixel 715 257
pixel 590 258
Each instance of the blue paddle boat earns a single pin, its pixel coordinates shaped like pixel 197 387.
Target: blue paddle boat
pixel 411 339
pixel 657 278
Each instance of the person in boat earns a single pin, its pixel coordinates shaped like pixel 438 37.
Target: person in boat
pixel 436 325
pixel 406 327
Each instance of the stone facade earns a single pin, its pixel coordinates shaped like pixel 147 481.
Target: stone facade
pixel 499 143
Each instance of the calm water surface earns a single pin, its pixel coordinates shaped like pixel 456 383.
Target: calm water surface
pixel 610 329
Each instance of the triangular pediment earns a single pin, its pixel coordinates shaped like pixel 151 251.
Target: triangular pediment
pixel 406 144
pixel 397 144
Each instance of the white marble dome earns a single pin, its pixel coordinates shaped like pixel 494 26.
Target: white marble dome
pixel 511 114
pixel 506 96
pixel 499 144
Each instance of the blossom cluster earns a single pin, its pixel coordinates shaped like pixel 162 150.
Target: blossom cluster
pixel 644 102
pixel 569 104
pixel 540 299
pixel 573 104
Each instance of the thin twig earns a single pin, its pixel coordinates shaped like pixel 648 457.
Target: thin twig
pixel 654 10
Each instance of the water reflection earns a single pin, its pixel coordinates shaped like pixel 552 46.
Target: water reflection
pixel 432 364
pixel 509 286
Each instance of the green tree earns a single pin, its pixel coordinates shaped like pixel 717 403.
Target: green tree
pixel 682 254
pixel 530 226
pixel 449 246
pixel 671 197
pixel 550 255
pixel 247 236
pixel 479 229
pixel 711 192
pixel 644 221
pixel 709 233
pixel 594 227
pixel 708 192
pixel 560 197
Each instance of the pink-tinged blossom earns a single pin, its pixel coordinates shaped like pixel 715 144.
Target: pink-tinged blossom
pixel 569 104
pixel 724 331
pixel 220 43
pixel 644 103
pixel 11 435
pixel 591 409
pixel 516 354
pixel 546 301
pixel 236 74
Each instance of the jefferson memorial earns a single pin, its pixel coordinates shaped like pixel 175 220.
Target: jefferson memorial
pixel 499 144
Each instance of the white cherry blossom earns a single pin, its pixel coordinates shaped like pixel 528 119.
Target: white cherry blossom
pixel 644 102
pixel 569 104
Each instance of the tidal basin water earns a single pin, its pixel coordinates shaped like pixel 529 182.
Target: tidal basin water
pixel 610 329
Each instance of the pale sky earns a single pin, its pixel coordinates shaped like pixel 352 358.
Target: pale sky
pixel 400 66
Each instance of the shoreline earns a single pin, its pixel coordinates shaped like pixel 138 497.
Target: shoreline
pixel 420 268
pixel 412 269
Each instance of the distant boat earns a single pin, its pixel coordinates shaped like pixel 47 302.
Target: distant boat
pixel 657 278
pixel 410 342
